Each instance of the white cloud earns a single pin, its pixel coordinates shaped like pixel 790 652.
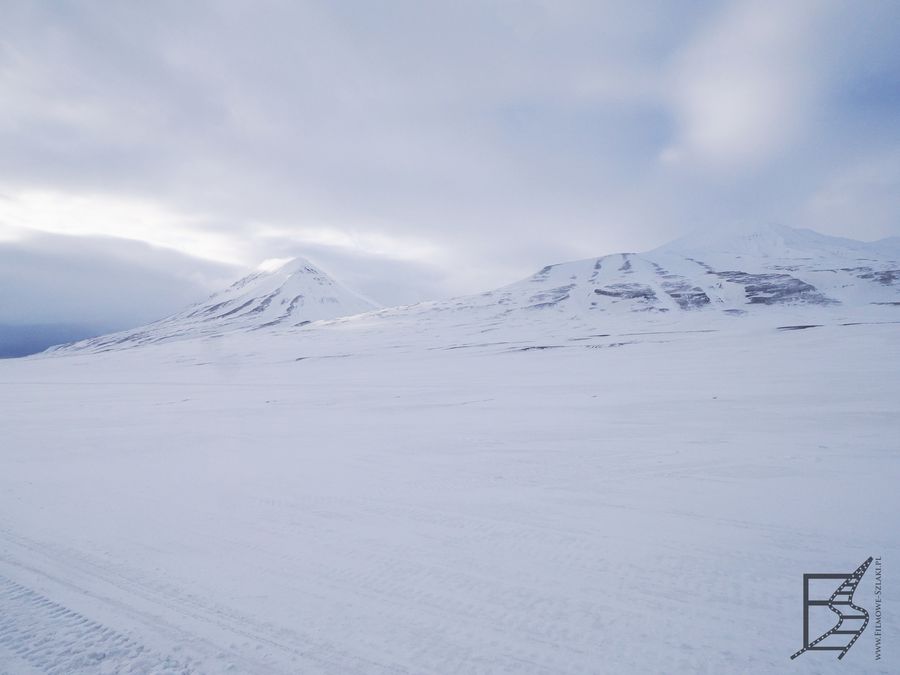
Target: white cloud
pixel 353 239
pixel 272 264
pixel 745 86
pixel 58 212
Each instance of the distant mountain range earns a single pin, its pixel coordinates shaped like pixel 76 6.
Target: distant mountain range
pixel 725 272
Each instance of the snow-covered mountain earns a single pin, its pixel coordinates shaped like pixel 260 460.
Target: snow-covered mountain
pixel 728 271
pixel 294 294
pixel 768 271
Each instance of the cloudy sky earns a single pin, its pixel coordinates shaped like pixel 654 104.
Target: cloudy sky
pixel 421 149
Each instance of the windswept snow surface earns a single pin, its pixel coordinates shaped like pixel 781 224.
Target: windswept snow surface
pixel 471 486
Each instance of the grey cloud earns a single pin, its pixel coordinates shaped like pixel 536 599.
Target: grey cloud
pixel 506 134
pixel 55 287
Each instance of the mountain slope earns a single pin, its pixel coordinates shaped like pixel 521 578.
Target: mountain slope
pixel 731 272
pixel 772 272
pixel 294 294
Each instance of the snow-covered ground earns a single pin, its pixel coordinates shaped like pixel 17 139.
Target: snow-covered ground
pixel 448 489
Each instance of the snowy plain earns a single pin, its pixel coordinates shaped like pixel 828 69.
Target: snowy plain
pixel 414 491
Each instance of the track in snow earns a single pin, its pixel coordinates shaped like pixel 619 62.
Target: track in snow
pixel 52 638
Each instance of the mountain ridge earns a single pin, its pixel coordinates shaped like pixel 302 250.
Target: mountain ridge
pixel 293 294
pixel 727 272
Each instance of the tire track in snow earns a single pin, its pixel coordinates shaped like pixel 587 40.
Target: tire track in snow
pixel 222 640
pixel 52 638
